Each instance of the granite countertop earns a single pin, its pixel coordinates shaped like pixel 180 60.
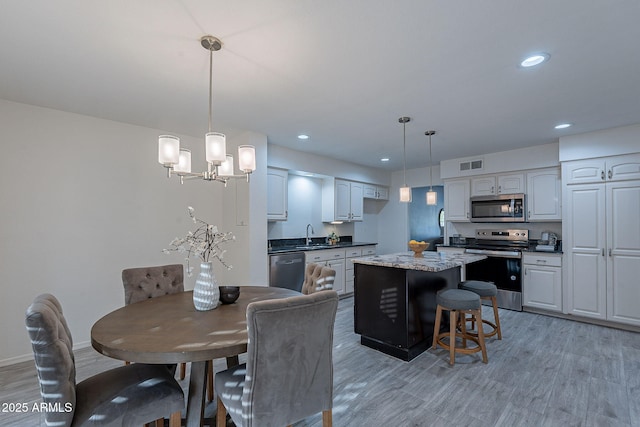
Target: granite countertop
pixel 431 261
pixel 315 246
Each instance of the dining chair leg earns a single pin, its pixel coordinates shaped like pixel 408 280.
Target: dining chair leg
pixel 176 419
pixel 210 382
pixel 221 415
pixel 327 418
pixel 183 370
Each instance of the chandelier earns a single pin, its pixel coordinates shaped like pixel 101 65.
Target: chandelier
pixel 220 168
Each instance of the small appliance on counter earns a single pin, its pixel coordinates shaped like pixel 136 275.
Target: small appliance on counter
pixel 547 242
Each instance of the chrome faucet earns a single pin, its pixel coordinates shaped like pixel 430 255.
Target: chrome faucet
pixel 312 232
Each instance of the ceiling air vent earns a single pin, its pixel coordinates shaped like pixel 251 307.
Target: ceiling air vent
pixel 471 165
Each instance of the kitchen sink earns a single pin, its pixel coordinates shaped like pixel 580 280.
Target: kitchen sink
pixel 308 247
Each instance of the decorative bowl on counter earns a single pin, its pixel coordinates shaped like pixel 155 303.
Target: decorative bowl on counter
pixel 229 294
pixel 418 248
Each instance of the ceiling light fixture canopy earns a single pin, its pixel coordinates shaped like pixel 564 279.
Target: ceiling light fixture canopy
pixel 405 192
pixel 432 196
pixel 177 160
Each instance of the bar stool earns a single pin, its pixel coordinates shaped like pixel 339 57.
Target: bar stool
pixel 459 301
pixel 487 291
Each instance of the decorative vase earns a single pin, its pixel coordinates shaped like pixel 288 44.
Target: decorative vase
pixel 206 293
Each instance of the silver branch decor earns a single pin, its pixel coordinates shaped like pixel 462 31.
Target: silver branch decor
pixel 204 242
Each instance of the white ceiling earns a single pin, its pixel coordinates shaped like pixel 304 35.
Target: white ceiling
pixel 342 71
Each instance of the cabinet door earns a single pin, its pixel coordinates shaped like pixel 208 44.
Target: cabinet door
pixel 544 195
pixel 338 266
pixel 511 184
pixel 583 171
pixel 483 186
pixel 370 191
pixel 383 193
pixel 623 167
pixel 456 200
pixel 584 242
pixel 342 200
pixel 356 201
pixel 277 181
pixel 623 254
pixel 542 281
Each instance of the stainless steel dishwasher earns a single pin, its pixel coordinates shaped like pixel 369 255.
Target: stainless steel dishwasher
pixel 286 270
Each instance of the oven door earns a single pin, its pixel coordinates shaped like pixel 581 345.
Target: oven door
pixel 505 273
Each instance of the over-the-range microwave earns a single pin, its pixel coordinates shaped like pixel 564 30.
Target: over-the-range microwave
pixel 499 208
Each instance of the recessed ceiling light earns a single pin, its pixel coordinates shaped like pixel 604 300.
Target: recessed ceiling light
pixel 534 60
pixel 563 126
pixel 303 136
pixel 384 159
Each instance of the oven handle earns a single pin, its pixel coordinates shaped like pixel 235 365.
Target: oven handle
pixel 498 254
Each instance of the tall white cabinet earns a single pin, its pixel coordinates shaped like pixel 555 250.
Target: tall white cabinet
pixel 601 231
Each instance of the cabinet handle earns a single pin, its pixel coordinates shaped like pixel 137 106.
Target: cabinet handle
pixel 525 271
pixel 529 213
pixel 602 175
pixel 602 251
pixel 541 261
pixel 499 188
pixel 609 251
pixel 610 174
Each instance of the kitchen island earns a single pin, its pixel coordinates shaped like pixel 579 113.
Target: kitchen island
pixel 395 298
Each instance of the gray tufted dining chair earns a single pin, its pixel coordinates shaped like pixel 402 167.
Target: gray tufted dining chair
pixel 317 277
pixel 289 371
pixel 125 396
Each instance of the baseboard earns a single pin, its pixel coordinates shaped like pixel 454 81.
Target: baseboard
pixel 573 317
pixel 29 356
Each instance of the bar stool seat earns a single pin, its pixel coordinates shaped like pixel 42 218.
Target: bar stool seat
pixel 487 291
pixel 458 302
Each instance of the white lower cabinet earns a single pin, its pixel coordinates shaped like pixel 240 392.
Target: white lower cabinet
pixel 332 258
pixel 340 261
pixel 542 284
pixel 349 270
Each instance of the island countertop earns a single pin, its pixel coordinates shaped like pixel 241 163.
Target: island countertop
pixel 431 261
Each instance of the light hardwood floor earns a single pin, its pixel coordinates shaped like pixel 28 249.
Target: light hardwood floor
pixel 545 372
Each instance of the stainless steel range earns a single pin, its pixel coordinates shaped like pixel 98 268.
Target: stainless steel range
pixel 503 265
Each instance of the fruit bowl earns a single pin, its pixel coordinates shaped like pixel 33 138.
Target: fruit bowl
pixel 418 248
pixel 229 294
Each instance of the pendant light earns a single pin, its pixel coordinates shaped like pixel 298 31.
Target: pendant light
pixel 432 196
pixel 405 192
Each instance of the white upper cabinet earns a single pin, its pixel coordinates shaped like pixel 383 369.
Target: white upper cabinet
pixel 456 200
pixel 375 192
pixel 616 168
pixel 497 184
pixel 544 195
pixel 342 200
pixel 277 182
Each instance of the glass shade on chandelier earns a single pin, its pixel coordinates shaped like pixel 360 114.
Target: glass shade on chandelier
pixel 432 196
pixel 220 166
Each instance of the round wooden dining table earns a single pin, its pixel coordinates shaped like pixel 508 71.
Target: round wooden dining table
pixel 170 330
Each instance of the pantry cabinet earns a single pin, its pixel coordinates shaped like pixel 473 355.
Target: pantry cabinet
pixel 601 238
pixel 542 281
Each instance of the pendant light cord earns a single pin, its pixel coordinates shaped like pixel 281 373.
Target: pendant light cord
pixel 430 166
pixel 404 150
